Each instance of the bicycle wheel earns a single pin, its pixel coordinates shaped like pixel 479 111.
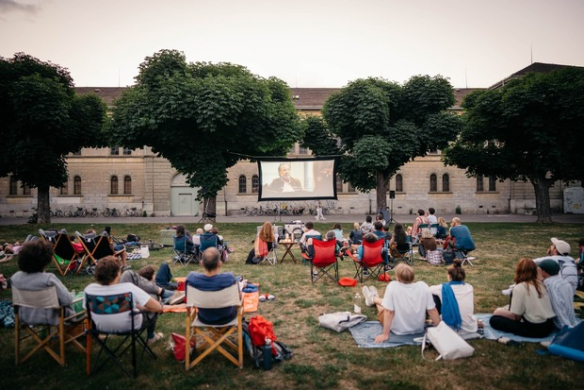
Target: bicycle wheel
pixel 58 213
pixel 127 213
pixel 68 214
pixel 115 213
pixel 107 213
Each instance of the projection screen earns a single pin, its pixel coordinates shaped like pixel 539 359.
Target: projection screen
pixel 297 179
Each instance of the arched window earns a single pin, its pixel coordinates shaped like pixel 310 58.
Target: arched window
pixel 127 185
pixel 433 183
pixel 492 183
pixel 242 184
pixel 480 186
pixel 445 183
pixel 399 183
pixel 255 184
pixel 350 188
pixel 114 185
pixel 77 185
pixel 13 186
pixel 339 184
pixel 65 188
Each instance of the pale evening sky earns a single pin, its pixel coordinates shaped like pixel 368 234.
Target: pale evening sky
pixel 307 43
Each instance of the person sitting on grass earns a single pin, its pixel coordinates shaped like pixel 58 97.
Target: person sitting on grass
pixel 164 278
pixel 213 280
pixel 108 273
pixel 404 305
pixel 442 230
pixel 356 236
pixel 144 278
pixel 559 252
pixel 560 292
pixel 530 313
pixel 429 247
pixel 455 300
pixel 399 241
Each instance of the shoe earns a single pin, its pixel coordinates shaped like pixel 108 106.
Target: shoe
pixel 270 297
pixel 177 297
pixel 387 268
pixel 157 336
pixel 262 298
pixel 368 296
pixel 545 344
pixel 365 272
pixel 374 292
pixel 315 273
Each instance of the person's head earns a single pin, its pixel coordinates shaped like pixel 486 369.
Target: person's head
pixel 399 228
pixel 426 233
pixel 455 222
pixel 215 230
pixel 180 230
pixel 91 231
pixel 404 273
pixel 309 225
pixel 199 231
pixel 431 211
pixel 380 217
pixel 456 272
pixel 549 268
pixel 442 222
pixel 562 248
pixel 526 271
pixel 386 227
pixel 147 272
pixel 107 270
pixel 370 238
pixel 378 225
pixel 211 259
pixel 207 227
pixel 330 235
pixel 421 212
pixel 368 219
pixel 284 171
pixel 34 256
pixel 337 226
pixel 356 226
pixel 267 232
pixel 409 230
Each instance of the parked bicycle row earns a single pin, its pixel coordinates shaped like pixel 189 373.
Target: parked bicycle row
pixel 81 212
pixel 291 208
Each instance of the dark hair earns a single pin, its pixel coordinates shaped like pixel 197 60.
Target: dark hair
pixel 180 230
pixel 368 218
pixel 386 227
pixel 400 234
pixel 456 271
pixel 370 237
pixel 378 225
pixel 211 258
pixel 379 217
pixel 421 212
pixel 147 272
pixel 106 270
pixel 337 226
pixel 309 225
pixel 431 210
pixel 214 230
pixel 34 256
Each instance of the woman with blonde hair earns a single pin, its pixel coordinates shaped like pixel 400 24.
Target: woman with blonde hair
pixel 265 236
pixel 530 313
pixel 442 230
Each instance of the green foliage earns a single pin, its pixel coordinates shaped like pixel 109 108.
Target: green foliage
pixel 202 117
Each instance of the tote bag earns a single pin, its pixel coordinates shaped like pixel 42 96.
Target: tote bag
pixel 447 342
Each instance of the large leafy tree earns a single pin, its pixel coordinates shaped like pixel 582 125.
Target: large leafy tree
pixel 381 126
pixel 530 129
pixel 205 117
pixel 42 121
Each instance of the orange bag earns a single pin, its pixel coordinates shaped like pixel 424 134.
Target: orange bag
pixel 251 301
pixel 347 282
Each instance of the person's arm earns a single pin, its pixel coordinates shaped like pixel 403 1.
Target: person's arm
pixel 434 316
pixel 153 306
pixel 507 314
pixel 387 320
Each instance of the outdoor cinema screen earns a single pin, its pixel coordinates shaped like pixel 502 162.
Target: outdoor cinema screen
pixel 297 179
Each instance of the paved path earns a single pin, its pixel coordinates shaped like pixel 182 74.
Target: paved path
pixel 342 218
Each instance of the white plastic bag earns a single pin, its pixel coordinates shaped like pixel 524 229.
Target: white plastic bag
pixel 447 342
pixel 144 251
pixel 340 321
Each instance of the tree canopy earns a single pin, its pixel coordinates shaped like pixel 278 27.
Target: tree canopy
pixel 205 117
pixel 530 129
pixel 43 121
pixel 381 126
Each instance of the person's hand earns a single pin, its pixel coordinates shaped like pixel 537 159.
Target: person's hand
pixel 381 338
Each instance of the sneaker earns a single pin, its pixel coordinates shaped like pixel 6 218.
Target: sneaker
pixel 270 297
pixel 387 268
pixel 178 297
pixel 374 292
pixel 157 336
pixel 365 272
pixel 262 298
pixel 368 296
pixel 545 344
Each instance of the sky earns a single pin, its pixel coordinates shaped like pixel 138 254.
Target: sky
pixel 306 43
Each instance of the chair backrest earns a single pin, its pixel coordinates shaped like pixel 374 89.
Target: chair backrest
pixel 180 243
pixel 87 241
pixel 227 297
pixel 208 240
pixel 46 298
pixel 314 237
pixel 109 304
pixel 103 247
pixel 63 246
pixel 372 252
pixel 324 252
pixel 48 235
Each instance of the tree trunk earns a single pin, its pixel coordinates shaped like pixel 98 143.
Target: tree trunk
pixel 211 207
pixel 43 206
pixel 382 188
pixel 542 199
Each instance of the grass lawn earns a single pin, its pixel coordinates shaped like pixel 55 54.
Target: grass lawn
pixel 322 358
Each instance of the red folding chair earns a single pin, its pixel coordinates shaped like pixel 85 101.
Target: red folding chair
pixel 323 261
pixel 372 259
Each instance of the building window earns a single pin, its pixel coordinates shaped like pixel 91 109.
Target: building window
pixel 302 150
pixel 77 185
pixel 25 189
pixel 127 151
pixel 65 189
pixel 115 151
pixel 339 184
pixel 255 184
pixel 445 183
pixel 399 183
pixel 433 183
pixel 492 183
pixel 13 186
pixel 114 185
pixel 350 188
pixel 242 184
pixel 480 186
pixel 127 185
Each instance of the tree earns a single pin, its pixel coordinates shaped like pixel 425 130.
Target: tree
pixel 43 121
pixel 530 129
pixel 381 126
pixel 205 117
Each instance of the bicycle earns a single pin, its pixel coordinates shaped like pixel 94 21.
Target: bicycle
pixel 107 212
pixel 69 213
pixel 94 213
pixel 126 212
pixel 81 212
pixel 115 212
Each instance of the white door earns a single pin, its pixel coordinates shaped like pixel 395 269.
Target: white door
pixel 185 204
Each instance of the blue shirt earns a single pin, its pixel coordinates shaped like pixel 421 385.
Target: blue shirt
pixel 217 282
pixel 463 239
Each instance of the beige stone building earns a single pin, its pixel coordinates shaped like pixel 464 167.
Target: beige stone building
pixel 136 179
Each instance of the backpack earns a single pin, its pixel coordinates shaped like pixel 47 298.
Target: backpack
pixel 280 351
pixel 132 238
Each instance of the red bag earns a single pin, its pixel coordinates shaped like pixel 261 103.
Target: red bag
pixel 179 346
pixel 347 282
pixel 384 277
pixel 261 329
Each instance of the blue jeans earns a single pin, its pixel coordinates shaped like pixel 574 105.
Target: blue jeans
pixel 164 277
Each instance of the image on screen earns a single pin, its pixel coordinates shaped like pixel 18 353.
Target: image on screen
pixel 297 179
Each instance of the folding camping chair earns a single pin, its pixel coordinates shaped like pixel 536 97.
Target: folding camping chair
pixel 48 330
pixel 324 259
pixel 181 254
pixel 462 254
pixel 209 240
pixel 63 252
pixel 132 337
pixel 214 335
pixel 304 249
pixel 372 259
pixel 403 252
pixel 272 256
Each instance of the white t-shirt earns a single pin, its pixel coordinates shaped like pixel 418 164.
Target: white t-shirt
pixel 525 302
pixel 431 221
pixel 409 303
pixel 464 294
pixel 120 322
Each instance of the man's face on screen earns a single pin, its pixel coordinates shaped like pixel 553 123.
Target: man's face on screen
pixel 284 172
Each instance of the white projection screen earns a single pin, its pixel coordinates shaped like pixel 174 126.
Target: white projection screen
pixel 297 179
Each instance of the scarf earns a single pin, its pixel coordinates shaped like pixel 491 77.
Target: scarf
pixel 450 310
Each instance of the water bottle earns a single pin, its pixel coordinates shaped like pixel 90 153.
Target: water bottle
pixel 268 355
pixel 357 305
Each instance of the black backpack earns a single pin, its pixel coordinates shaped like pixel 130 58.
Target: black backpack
pixel 257 353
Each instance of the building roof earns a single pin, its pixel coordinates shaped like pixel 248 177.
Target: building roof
pixel 536 67
pixel 106 93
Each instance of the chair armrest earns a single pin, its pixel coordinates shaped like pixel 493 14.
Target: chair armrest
pixel 352 256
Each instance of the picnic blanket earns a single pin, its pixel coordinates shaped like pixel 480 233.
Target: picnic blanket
pixel 493 334
pixel 365 333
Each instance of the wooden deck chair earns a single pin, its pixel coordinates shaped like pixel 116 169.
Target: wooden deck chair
pixel 49 333
pixel 113 350
pixel 63 252
pixel 214 336
pixel 403 252
pixel 88 243
pixel 181 254
pixel 372 260
pixel 324 260
pixel 104 247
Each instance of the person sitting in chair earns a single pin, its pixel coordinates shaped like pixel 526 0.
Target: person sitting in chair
pixel 308 232
pixel 182 232
pixel 460 233
pixel 266 234
pixel 213 280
